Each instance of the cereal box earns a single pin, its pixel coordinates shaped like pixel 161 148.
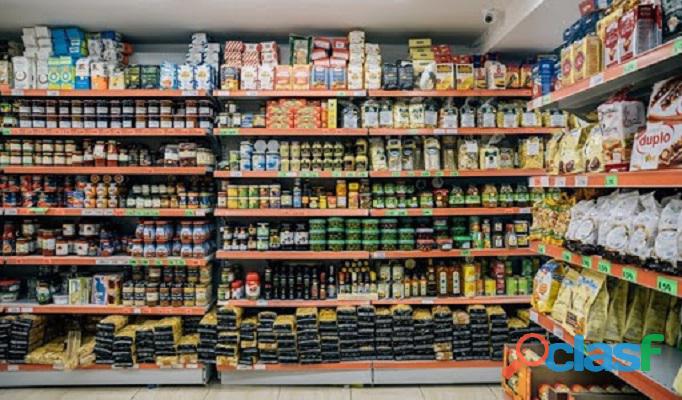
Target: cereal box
pixel 465 76
pixel 283 77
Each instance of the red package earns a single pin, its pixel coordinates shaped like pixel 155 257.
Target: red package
pixel 318 54
pixel 342 54
pixel 269 46
pixel 322 43
pixel 323 61
pixel 339 43
pixel 234 46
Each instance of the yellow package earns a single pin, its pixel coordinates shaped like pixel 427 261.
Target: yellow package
pixel 567 65
pixel 570 152
pixel 587 313
pixel 634 326
pixel 465 76
pixel 672 324
pixel 508 116
pixel 546 285
pixel 617 315
pixel 531 153
pixel 531 118
pixel 445 76
pixel 657 313
pixel 587 56
pixel 593 154
pixel 552 153
pixel 564 296
pixel 554 118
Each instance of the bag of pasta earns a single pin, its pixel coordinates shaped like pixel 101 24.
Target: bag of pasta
pixel 657 313
pixel 564 296
pixel 672 323
pixel 570 151
pixel 546 286
pixel 634 326
pixel 587 314
pixel 617 315
pixel 531 153
pixel 593 152
pixel 552 153
pixel 467 154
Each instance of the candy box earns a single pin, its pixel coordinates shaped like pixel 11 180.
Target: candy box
pixel 42 71
pixel 319 77
pixel 567 65
pixel 203 77
pixel 587 54
pixel 666 100
pixel 301 77
pixel 299 49
pixel 337 78
pixel 465 76
pixel 68 72
pixel 419 42
pixel 117 80
pixel 445 76
pixel 372 76
pixel 611 42
pixel 266 77
pixel 229 77
pixel 83 73
pixel 24 72
pixel 249 77
pixel 672 18
pixel 638 31
pixel 619 121
pixel 656 147
pixel 283 77
pixel 168 76
pixel 106 289
pixel 149 77
pixel 79 291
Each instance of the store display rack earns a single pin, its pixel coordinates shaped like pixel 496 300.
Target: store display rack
pixel 636 179
pixel 104 132
pixel 656 383
pixel 103 93
pixel 69 170
pixel 447 212
pixel 447 173
pixel 92 309
pixel 366 255
pixel 113 260
pixel 639 72
pixel 461 131
pixel 364 372
pixel 424 301
pixel 665 283
pixel 289 132
pixel 291 174
pixel 105 212
pixel 20 375
pixel 374 212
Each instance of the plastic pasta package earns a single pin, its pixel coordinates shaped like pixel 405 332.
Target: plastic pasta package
pixel 531 153
pixel 657 313
pixel 617 311
pixel 546 286
pixel 564 296
pixel 467 154
pixel 570 155
pixel 634 325
pixel 551 153
pixel 486 115
pixel 588 312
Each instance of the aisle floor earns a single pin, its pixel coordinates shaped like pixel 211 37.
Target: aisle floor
pixel 218 392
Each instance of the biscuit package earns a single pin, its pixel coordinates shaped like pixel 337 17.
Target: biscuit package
pixel 619 119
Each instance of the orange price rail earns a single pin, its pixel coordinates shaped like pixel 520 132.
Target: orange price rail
pixel 104 93
pixel 452 93
pixel 290 174
pixel 436 364
pixel 444 212
pixel 288 93
pixel 454 300
pixel 391 255
pixel 317 132
pixel 31 308
pixel 345 365
pixel 484 173
pixel 105 132
pixel 636 179
pixel 106 212
pixel 293 303
pixel 114 260
pixel 292 255
pixel 656 383
pixel 461 131
pixel 4 367
pixel 68 170
pixel 665 283
pixel 653 65
pixel 292 212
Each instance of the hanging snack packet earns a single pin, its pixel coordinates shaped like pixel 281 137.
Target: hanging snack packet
pixel 617 313
pixel 546 286
pixel 564 296
pixel 635 323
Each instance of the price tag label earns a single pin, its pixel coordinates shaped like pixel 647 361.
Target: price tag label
pixel 560 181
pixel 229 131
pixel 630 275
pixel 546 99
pixel 426 173
pixel 439 131
pixel 37 210
pixel 17 92
pixel 544 181
pixel 251 93
pixel 379 255
pixel 542 249
pixel 189 93
pixel 604 267
pixel 262 303
pixel 396 213
pixel 144 262
pixel 192 366
pixel 580 181
pixel 52 93
pixel 12 368
pixel 611 181
pixel 597 80
pixel 395 174
pixel 667 285
pixel 427 212
pixel 558 332
pixel 235 174
pixel 566 256
pixel 5 131
pixel 534 316
pixel 11 211
pixel 587 261
pixel 428 301
pixel 243 367
pixel 158 262
pixel 191 213
pixel 103 261
pixel 137 310
pixel 13 310
pixel 341 94
pixel 524 210
pixel 677 47
pixel 26 310
pixel 466 253
pixel 133 262
pixel 91 212
pixel 630 67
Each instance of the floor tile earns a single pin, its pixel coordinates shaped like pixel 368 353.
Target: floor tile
pixel 31 393
pixel 222 392
pixel 459 392
pixel 497 391
pixel 173 393
pixel 314 393
pixel 99 393
pixel 388 393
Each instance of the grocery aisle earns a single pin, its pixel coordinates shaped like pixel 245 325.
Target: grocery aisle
pixel 216 392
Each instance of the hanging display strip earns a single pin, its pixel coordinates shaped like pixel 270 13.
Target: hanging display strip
pixel 103 93
pixel 20 375
pixel 637 179
pixel 290 174
pixel 481 173
pixel 31 308
pixel 65 170
pixel 288 132
pixel 365 255
pixel 597 87
pixel 461 131
pixel 447 212
pixel 396 255
pixel 668 284
pixel 487 300
pixel 236 94
pixel 452 93
pixel 105 132
pixel 115 260
pixel 290 213
pixel 656 383
pixel 106 212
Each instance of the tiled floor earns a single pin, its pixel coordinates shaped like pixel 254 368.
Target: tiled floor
pixel 218 392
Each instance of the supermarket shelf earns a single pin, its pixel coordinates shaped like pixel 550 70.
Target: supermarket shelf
pixel 462 131
pixel 293 303
pixel 452 93
pixel 292 255
pixel 665 283
pixel 637 179
pixel 487 173
pixel 104 93
pixel 34 375
pixel 115 260
pixel 652 66
pixel 288 93
pixel 290 174
pixel 436 372
pixel 68 170
pixel 106 212
pixel 656 383
pixel 316 132
pixel 343 373
pixel 455 300
pixel 103 132
pixel 445 212
pixel 394 255
pixel 34 308
pixel 292 212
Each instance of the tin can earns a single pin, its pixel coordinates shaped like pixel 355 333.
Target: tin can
pixel 524 285
pixel 512 286
pixel 242 202
pixel 258 161
pixel 469 273
pixel 490 287
pixel 272 161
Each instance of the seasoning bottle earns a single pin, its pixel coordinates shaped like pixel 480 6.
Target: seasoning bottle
pixel 297 194
pixel 423 285
pixel 267 283
pixel 331 283
pixel 431 281
pixel 442 272
pixel 415 286
pixel 510 237
pixel 456 280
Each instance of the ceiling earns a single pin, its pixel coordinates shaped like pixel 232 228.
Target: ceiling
pixel 457 22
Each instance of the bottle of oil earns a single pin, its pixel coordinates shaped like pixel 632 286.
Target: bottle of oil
pixel 443 281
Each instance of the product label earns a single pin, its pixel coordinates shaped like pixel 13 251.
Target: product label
pixel 566 256
pixel 667 285
pixel 630 67
pixel 611 181
pixel 604 267
pixel 587 261
pixel 630 275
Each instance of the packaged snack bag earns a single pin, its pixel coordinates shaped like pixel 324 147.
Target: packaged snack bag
pixel 587 314
pixel 570 151
pixel 666 100
pixel 593 150
pixel 546 285
pixel 564 296
pixel 635 322
pixel 531 153
pixel 619 119
pixel 552 152
pixel 617 314
pixel 644 227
